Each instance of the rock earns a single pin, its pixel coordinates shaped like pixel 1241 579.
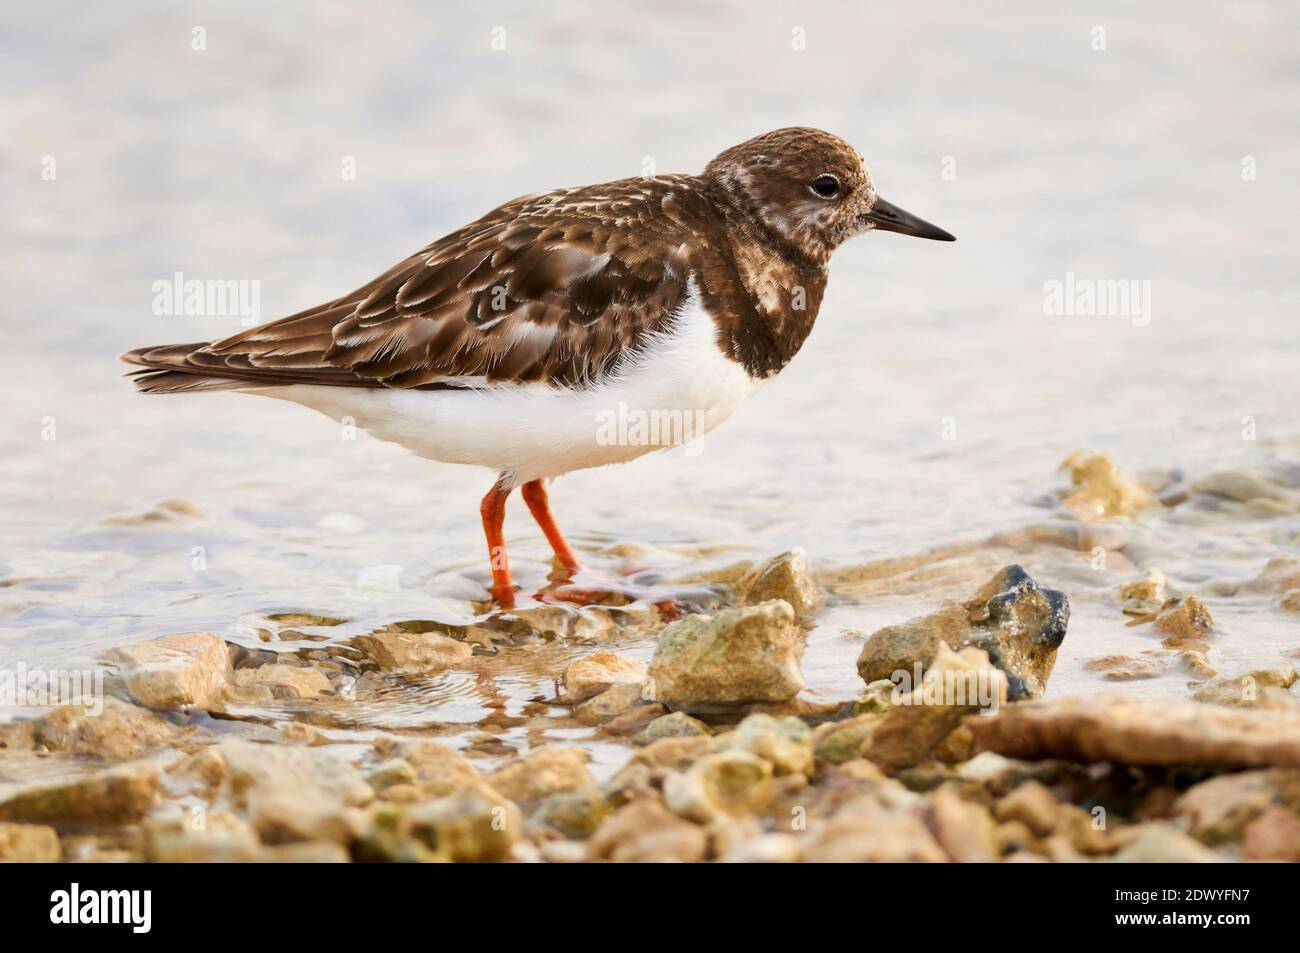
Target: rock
pixel 176 671
pixel 644 831
pixel 717 785
pixel 1274 835
pixel 649 767
pixel 956 684
pixel 1086 833
pixel 678 724
pixel 735 656
pixel 1198 663
pixel 1290 600
pixel 956 747
pixel 788 578
pixel 1125 668
pixel 864 830
pixel 573 813
pixel 439 770
pixel 544 772
pixel 306 852
pixel 586 624
pixel 1187 627
pixel 1147 595
pixel 412 653
pixel 1101 489
pixel 285 681
pixel 117 795
pixel 597 673
pixel 473 826
pixel 785 743
pixel 165 511
pixel 635 721
pixel 120 732
pixel 765 849
pixel 611 703
pixel 389 773
pixel 1245 488
pixel 29 844
pixel 299 733
pixel 1217 810
pixel 289 793
pixel 563 852
pixel 244 767
pixel 402 793
pixel 842 741
pixel 964 829
pixel 876 699
pixel 989 770
pixel 1185 623
pixel 1032 805
pixel 1251 689
pixel 1015 836
pixel 1162 844
pixel 1019 624
pixel 285 815
pixel 221 838
pixel 1142 732
pixel 1280 574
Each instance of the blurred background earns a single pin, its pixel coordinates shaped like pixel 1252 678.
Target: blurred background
pixel 308 146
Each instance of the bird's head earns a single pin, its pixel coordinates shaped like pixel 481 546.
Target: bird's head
pixel 811 188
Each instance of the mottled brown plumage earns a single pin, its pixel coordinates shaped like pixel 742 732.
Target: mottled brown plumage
pixel 557 287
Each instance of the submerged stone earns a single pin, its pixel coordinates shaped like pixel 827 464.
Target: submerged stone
pixel 412 653
pixel 285 681
pixel 596 673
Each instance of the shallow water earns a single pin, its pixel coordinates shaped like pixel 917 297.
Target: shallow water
pixel 928 413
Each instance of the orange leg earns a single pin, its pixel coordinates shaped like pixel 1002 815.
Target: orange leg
pixel 534 494
pixel 493 510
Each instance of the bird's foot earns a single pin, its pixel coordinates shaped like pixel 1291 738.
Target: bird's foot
pixel 588 587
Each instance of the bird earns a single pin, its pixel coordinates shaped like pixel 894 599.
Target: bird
pixel 552 334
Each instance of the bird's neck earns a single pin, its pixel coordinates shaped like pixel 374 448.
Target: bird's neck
pixel 767 291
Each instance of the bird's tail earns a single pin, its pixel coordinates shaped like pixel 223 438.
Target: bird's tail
pixel 164 371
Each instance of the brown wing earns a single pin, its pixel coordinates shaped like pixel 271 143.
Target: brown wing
pixel 546 288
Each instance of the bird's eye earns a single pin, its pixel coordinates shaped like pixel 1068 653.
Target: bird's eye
pixel 827 186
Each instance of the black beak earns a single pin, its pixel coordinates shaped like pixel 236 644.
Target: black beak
pixel 888 217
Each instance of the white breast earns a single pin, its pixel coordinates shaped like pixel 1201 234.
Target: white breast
pixel 670 392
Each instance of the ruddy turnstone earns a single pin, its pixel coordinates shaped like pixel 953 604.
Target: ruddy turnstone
pixel 509 343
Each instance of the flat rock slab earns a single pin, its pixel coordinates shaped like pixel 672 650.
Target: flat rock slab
pixel 1141 732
